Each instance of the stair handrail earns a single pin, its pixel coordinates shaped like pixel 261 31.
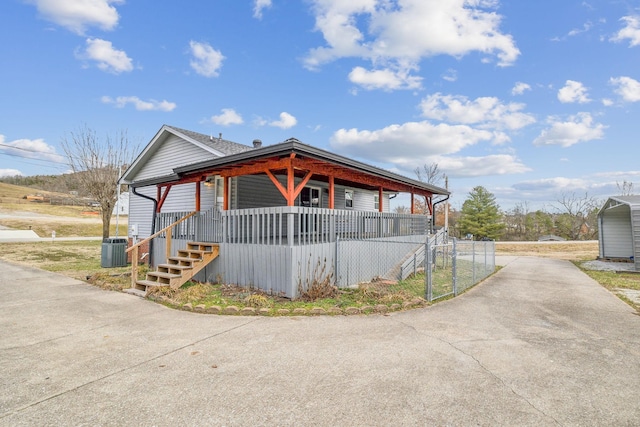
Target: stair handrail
pixel 134 248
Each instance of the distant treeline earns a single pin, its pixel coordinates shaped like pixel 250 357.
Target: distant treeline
pixel 53 183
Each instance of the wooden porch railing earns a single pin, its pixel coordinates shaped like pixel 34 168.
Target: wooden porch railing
pixel 134 248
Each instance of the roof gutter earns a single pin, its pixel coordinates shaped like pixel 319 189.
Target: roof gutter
pixel 433 217
pixel 153 220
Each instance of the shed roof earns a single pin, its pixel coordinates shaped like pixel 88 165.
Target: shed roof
pixel 615 201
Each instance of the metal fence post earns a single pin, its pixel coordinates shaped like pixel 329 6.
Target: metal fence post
pixel 337 264
pixel 473 262
pixel 454 266
pixel 427 273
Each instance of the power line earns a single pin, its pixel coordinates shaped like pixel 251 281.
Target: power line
pixel 30 151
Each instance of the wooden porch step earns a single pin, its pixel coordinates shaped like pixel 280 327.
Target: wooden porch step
pixel 174 268
pixel 192 253
pixel 178 269
pixel 180 260
pixel 136 292
pixel 201 245
pixel 161 275
pixel 151 284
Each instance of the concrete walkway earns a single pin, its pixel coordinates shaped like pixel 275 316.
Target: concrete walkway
pixel 537 344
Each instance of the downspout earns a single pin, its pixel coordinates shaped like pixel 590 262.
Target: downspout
pixel 153 220
pixel 433 217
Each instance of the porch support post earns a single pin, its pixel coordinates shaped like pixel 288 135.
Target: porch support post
pixel 162 198
pixel 332 192
pixel 290 181
pixel 381 200
pixel 413 203
pixel 198 196
pixel 226 187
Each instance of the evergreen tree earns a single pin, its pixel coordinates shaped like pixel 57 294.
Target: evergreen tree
pixel 480 215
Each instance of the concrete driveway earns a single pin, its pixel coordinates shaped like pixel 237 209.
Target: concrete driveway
pixel 537 344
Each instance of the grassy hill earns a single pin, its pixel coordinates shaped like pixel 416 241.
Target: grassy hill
pixel 50 214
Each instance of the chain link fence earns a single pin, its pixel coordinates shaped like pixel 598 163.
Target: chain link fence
pixel 431 270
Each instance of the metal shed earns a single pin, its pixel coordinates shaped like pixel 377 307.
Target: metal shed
pixel 619 225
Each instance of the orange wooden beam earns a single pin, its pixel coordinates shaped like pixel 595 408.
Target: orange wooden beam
pixel 380 200
pixel 301 185
pixel 198 196
pixel 164 196
pixel 332 192
pixel 290 182
pixel 277 183
pixel 413 203
pixel 226 187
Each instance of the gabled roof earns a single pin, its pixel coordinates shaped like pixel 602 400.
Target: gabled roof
pixel 217 147
pixel 616 201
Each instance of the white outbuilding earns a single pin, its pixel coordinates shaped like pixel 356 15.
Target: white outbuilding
pixel 619 225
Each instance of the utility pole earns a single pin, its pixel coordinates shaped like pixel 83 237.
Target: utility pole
pixel 446 207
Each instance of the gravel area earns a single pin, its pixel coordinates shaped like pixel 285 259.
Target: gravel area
pixel 608 265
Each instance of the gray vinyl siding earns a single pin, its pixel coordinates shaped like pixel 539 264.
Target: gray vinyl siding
pixel 258 191
pixel 172 153
pixel 181 198
pixel 141 211
pixel 635 228
pixel 616 234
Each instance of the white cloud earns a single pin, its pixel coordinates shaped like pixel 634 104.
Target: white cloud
pixel 78 15
pixel 9 172
pixel 631 30
pixel 573 92
pixel 227 118
pixel 407 143
pixel 107 57
pixel 140 105
pixel 259 6
pixel 286 121
pixel 451 75
pixel 586 27
pixel 485 111
pixel 607 102
pixel 496 164
pixel 556 183
pixel 397 35
pixel 578 128
pixel 520 88
pixel 30 148
pixel 385 79
pixel 627 88
pixel 206 60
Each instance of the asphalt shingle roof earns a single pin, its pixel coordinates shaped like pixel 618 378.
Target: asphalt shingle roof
pixel 224 146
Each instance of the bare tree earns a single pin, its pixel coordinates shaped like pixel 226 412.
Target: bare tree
pixel 626 188
pixel 431 174
pixel 577 216
pixel 96 164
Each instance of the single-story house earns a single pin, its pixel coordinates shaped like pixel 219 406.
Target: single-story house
pixel 619 226
pixel 275 213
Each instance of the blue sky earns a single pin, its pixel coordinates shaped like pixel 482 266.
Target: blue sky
pixel 532 100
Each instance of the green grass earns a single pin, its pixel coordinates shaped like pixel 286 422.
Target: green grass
pixel 365 298
pixel 612 281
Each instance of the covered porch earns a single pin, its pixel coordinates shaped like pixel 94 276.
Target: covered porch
pixel 275 235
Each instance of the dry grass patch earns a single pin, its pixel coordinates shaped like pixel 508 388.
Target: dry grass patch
pixel 571 251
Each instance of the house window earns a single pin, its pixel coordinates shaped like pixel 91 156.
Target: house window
pixel 376 202
pixel 348 198
pixel 310 197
